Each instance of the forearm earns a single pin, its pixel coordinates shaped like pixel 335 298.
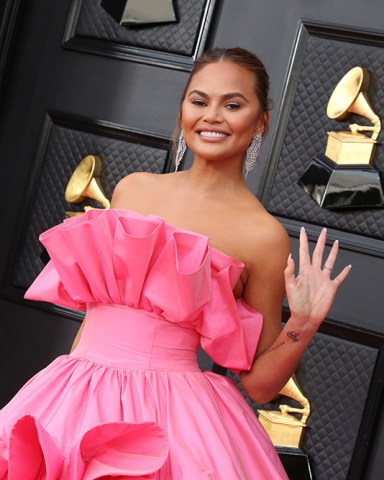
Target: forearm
pixel 272 368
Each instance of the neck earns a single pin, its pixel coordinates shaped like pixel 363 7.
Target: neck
pixel 214 176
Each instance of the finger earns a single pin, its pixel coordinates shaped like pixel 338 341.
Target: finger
pixel 289 272
pixel 304 258
pixel 331 259
pixel 290 268
pixel 318 252
pixel 342 276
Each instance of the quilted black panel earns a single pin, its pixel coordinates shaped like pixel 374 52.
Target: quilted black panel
pixel 325 62
pixel 95 22
pixel 335 375
pixel 64 150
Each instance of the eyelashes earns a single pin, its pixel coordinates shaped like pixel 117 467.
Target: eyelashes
pixel 199 103
pixel 228 106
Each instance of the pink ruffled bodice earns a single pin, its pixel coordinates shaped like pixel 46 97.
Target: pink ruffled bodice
pixel 118 257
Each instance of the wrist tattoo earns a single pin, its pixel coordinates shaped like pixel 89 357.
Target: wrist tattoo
pixel 294 336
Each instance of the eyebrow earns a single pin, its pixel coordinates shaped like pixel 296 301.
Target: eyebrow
pixel 226 96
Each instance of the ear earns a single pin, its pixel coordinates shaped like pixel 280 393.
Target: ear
pixel 262 124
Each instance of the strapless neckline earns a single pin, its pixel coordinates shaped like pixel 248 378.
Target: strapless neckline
pixel 182 230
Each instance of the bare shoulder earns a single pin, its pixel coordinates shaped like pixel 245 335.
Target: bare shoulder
pixel 136 179
pixel 271 230
pixel 265 238
pixel 133 187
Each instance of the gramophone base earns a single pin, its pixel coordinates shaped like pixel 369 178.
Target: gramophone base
pixel 295 462
pixel 342 186
pixel 347 148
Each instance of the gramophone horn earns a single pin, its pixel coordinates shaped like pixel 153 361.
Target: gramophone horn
pixel 84 182
pixel 349 96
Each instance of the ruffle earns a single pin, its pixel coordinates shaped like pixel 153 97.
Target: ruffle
pixel 112 450
pixel 32 453
pixel 122 450
pixel 121 257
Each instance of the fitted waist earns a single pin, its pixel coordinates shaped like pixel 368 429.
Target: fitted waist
pixel 135 339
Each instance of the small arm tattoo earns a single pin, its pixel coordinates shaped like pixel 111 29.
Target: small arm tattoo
pixel 275 347
pixel 294 336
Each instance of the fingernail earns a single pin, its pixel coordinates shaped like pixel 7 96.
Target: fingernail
pixel 324 230
pixel 336 242
pixel 302 229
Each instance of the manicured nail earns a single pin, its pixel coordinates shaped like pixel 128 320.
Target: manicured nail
pixel 336 242
pixel 302 229
pixel 324 230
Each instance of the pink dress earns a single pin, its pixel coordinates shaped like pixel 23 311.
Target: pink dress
pixel 131 401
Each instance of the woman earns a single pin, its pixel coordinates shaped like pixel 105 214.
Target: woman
pixel 181 259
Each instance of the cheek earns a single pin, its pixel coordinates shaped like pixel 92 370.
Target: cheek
pixel 184 118
pixel 249 125
pixel 188 124
pixel 244 126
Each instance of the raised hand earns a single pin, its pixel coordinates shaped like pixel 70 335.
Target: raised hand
pixel 311 293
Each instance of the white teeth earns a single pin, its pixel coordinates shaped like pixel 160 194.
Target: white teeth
pixel 212 134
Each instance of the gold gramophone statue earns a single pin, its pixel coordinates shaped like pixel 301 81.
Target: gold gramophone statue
pixel 284 429
pixel 85 183
pixel 344 177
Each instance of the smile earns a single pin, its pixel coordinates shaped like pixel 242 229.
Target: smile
pixel 210 134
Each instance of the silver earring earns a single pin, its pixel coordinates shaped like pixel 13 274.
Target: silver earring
pixel 252 153
pixel 181 148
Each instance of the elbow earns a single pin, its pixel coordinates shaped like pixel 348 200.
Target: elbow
pixel 258 393
pixel 259 397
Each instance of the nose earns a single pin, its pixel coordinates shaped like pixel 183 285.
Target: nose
pixel 212 114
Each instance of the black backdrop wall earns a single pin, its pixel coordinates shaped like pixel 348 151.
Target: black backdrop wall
pixel 73 82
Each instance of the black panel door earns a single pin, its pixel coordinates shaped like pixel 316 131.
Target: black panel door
pixel 73 82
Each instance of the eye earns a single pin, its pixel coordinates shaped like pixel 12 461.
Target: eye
pixel 232 106
pixel 198 102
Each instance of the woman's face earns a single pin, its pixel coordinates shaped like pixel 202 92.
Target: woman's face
pixel 220 113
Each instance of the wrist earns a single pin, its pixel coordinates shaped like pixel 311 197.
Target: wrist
pixel 298 328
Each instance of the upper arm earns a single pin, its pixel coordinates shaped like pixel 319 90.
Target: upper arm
pixel 265 288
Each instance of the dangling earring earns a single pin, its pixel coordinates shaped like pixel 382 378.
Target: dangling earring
pixel 181 148
pixel 252 153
